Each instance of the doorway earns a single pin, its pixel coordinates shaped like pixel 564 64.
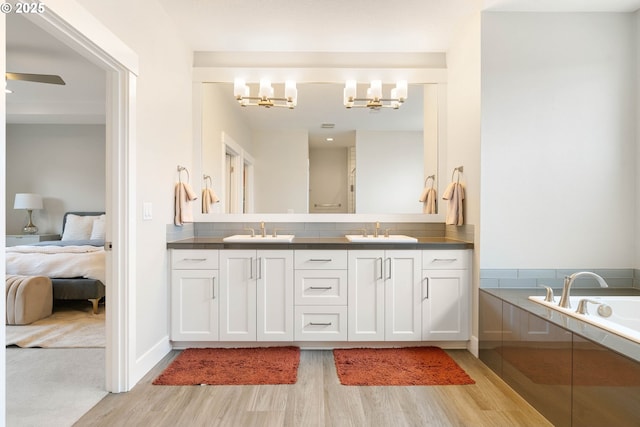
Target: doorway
pixel 101 47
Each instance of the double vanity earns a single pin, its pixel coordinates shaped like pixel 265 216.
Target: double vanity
pixel 320 292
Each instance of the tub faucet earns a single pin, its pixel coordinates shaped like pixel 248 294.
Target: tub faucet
pixel 568 281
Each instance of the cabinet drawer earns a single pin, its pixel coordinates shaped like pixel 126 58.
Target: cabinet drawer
pixel 320 260
pixel 194 259
pixel 445 259
pixel 321 287
pixel 320 323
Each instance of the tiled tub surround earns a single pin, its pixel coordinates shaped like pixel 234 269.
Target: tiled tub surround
pixel 532 278
pixel 574 373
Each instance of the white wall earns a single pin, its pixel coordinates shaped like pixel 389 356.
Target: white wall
pixel 65 164
pixel 463 136
pixel 397 192
pixel 558 140
pixel 163 141
pixel 281 171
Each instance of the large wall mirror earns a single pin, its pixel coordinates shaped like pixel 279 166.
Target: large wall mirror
pixel 319 157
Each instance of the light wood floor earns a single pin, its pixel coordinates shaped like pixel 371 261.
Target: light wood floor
pixel 318 399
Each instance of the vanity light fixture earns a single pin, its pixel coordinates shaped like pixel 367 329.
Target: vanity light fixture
pixel 374 99
pixel 265 96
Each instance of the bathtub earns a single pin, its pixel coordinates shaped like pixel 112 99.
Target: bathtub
pixel 624 320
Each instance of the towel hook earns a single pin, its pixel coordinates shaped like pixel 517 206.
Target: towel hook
pixel 207 178
pixel 433 177
pixel 180 169
pixel 458 169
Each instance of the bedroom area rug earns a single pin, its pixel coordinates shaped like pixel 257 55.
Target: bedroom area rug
pixel 232 366
pixel 398 367
pixel 72 325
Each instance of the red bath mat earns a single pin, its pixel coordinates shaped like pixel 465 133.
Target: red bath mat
pixel 232 366
pixel 398 366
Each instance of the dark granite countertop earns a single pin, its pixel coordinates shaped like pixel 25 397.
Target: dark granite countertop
pixel 318 243
pixel 520 298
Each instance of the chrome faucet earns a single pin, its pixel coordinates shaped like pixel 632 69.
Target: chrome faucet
pixel 568 281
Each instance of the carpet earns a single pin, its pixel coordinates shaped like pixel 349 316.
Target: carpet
pixel 398 366
pixel 552 366
pixel 72 325
pixel 232 366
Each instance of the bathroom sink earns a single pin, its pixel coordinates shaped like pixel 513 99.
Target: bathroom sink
pixel 247 238
pixel 392 238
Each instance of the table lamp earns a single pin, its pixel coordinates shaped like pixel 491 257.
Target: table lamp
pixel 28 201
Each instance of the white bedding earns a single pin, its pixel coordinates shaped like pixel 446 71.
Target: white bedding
pixel 57 261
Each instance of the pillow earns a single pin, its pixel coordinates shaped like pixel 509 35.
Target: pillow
pixel 97 231
pixel 78 227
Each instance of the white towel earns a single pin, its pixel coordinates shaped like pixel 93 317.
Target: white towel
pixel 454 194
pixel 183 195
pixel 208 199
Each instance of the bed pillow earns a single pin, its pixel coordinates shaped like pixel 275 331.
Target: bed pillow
pixel 97 230
pixel 78 227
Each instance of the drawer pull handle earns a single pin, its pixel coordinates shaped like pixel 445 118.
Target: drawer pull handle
pixel 320 259
pixel 321 287
pixel 194 259
pixel 319 324
pixel 445 259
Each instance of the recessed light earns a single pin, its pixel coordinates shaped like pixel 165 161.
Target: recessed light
pixel 329 139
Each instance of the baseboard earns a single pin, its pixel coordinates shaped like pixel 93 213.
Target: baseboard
pixel 149 359
pixel 473 346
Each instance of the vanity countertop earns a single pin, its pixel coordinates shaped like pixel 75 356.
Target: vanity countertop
pixel 318 243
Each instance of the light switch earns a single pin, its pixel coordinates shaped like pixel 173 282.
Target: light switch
pixel 147 211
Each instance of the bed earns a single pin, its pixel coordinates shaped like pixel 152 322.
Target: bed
pixel 75 264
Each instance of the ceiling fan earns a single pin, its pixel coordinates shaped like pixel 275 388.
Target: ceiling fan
pixel 37 78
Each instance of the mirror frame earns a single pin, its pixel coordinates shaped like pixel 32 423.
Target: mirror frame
pixel 416 68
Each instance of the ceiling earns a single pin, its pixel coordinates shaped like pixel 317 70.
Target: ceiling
pixel 31 50
pixel 253 25
pixel 345 26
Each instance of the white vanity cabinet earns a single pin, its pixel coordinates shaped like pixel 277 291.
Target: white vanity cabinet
pixel 256 295
pixel 194 295
pixel 320 312
pixel 384 295
pixel 446 295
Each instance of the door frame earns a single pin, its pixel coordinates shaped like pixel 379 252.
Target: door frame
pixel 76 27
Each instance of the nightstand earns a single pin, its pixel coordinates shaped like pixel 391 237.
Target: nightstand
pixel 29 239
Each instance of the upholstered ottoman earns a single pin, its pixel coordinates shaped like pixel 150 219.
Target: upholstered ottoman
pixel 29 298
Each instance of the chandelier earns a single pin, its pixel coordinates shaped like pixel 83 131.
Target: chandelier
pixel 265 97
pixel 374 99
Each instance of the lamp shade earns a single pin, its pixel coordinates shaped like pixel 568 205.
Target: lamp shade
pixel 27 201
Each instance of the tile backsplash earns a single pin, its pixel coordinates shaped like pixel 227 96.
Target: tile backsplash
pixel 531 278
pixel 319 229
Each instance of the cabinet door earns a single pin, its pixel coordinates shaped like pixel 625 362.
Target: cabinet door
pixel 402 281
pixel 445 305
pixel 194 305
pixel 366 295
pixel 238 295
pixel 275 295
